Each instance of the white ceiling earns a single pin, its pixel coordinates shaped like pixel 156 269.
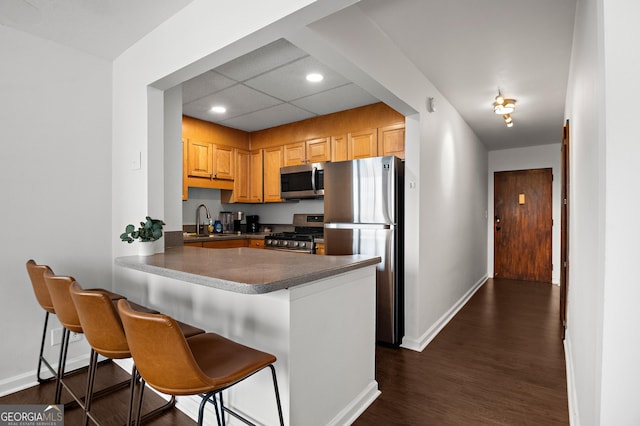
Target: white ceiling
pixel 468 48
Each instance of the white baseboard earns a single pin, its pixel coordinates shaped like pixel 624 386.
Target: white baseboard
pixel 418 344
pixel 572 396
pixel 356 407
pixel 28 379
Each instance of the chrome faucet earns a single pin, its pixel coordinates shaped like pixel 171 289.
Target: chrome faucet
pixel 198 217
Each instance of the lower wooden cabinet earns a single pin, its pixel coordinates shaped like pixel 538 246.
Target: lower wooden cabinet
pixel 234 243
pixel 320 248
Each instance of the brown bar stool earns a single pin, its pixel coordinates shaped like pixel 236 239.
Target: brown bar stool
pixel 36 275
pixel 103 329
pixel 67 315
pixel 203 365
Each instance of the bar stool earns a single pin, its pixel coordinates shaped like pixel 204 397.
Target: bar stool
pixel 36 276
pixel 67 315
pixel 203 365
pixel 103 329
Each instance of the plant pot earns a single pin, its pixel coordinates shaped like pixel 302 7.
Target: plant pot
pixel 146 248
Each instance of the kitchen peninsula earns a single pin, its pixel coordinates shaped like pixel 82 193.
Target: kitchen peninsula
pixel 315 313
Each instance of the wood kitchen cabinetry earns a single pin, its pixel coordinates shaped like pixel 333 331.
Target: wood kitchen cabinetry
pixel 210 162
pixel 231 243
pixel 391 140
pixel 273 160
pixel 311 151
pixel 256 176
pixel 339 148
pixel 362 144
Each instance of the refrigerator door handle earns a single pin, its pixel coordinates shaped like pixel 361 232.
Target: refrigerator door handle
pixel 357 225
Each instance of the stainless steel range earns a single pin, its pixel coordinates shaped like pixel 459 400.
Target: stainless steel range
pixel 308 228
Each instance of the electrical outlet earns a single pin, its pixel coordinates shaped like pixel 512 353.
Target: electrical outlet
pixel 56 337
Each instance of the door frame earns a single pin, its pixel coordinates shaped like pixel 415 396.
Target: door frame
pixel 564 226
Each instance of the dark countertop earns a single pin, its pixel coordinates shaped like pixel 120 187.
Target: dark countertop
pixel 244 270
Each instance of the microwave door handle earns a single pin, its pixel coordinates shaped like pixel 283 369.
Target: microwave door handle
pixel 313 179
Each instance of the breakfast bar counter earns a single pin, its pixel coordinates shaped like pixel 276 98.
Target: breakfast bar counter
pixel 315 313
pixel 244 270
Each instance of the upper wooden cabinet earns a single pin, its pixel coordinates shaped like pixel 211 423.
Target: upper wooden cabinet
pixel 208 160
pixel 339 148
pixel 391 140
pixel 256 176
pixel 311 151
pixel 363 144
pixel 273 161
pixel 243 179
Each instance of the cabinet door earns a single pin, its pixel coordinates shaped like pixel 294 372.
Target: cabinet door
pixel 318 150
pixel 200 159
pixel 185 166
pixel 255 176
pixel 273 160
pixel 224 162
pixel 391 140
pixel 339 150
pixel 256 244
pixel 363 144
pixel 294 154
pixel 242 177
pixel 226 243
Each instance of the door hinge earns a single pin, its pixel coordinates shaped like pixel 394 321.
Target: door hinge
pixel 565 201
pixel 564 263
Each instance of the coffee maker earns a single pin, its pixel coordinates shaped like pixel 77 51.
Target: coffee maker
pixel 237 222
pixel 253 224
pixel 226 219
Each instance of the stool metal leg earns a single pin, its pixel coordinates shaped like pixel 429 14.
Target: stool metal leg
pixel 41 358
pixel 275 387
pixel 61 364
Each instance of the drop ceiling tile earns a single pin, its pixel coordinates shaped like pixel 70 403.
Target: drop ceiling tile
pixel 270 117
pixel 289 82
pixel 337 99
pixel 259 61
pixel 238 100
pixel 203 85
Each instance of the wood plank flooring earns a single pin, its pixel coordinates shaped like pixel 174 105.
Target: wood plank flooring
pixel 500 361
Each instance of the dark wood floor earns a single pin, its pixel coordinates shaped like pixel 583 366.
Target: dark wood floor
pixel 500 361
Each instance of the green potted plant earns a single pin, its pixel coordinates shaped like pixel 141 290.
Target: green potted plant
pixel 149 230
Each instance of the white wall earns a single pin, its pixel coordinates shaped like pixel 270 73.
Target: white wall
pixel 55 180
pixel 535 157
pixel 603 319
pixel 621 317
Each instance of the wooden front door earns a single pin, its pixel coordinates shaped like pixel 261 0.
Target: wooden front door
pixel 522 225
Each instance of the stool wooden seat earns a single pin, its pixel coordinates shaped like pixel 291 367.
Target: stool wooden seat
pixel 203 365
pixel 103 329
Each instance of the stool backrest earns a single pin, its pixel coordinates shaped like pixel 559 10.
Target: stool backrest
pixel 36 275
pixel 161 353
pixel 100 322
pixel 61 298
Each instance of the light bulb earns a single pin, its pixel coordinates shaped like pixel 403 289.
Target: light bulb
pixel 218 109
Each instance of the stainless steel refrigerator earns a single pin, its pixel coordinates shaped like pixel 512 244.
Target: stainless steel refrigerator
pixel 363 214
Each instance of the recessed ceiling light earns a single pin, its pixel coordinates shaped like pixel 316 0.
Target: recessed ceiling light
pixel 314 77
pixel 218 109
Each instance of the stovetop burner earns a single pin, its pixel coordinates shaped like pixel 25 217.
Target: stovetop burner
pixel 301 239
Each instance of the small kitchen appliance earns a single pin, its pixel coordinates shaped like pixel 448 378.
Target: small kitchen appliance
pixel 253 223
pixel 308 229
pixel 237 222
pixel 226 218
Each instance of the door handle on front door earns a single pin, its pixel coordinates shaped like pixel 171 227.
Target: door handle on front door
pixel 497 223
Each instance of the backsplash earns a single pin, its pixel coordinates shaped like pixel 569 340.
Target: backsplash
pixel 271 213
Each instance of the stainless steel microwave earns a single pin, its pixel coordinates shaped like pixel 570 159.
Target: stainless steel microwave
pixel 303 181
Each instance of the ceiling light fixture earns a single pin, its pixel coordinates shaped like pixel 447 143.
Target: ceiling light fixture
pixel 503 105
pixel 314 77
pixel 218 109
pixel 508 120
